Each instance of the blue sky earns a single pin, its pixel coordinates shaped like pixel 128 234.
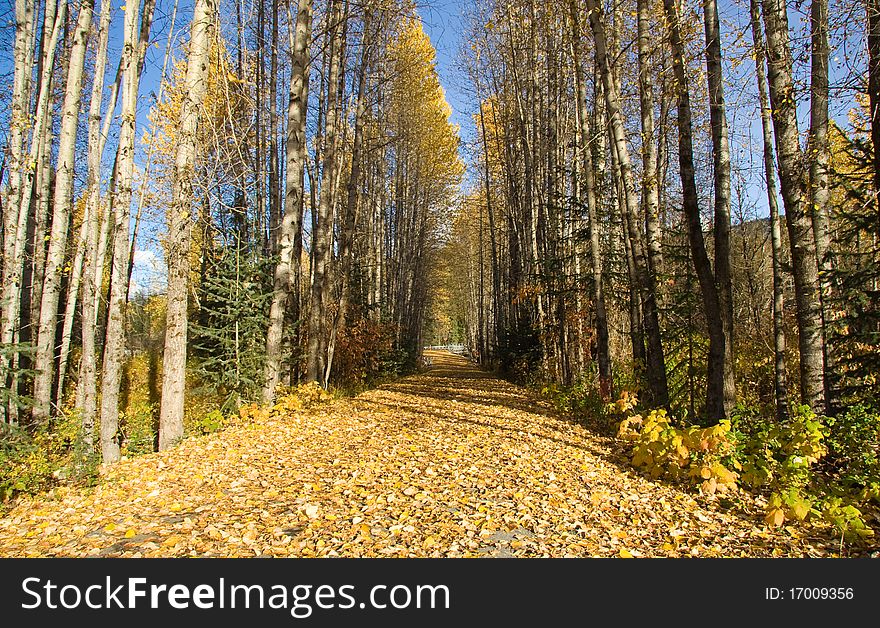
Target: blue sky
pixel 444 24
pixel 442 20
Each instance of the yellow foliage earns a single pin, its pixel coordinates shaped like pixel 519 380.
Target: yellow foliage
pixel 694 452
pixel 419 112
pixel 290 400
pixel 301 397
pixel 219 139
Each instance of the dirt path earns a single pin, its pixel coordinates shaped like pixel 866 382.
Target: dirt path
pixel 452 462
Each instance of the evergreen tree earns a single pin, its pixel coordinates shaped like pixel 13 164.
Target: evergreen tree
pixel 229 335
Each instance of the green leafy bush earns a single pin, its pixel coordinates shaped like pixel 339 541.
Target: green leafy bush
pixel 701 456
pixel 779 455
pixel 31 461
pixel 24 465
pixel 854 451
pixel 782 461
pixel 846 517
pixel 210 422
pixel 138 425
pixel 583 402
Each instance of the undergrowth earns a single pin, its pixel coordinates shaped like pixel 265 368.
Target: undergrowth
pixel 822 471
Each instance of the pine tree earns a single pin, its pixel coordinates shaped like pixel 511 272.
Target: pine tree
pixel 229 332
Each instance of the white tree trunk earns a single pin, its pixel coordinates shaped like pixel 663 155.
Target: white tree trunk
pixel 291 224
pixel 114 347
pixel 87 394
pixel 174 359
pixel 790 157
pixel 21 82
pixel 63 200
pixel 21 176
pixel 323 236
pixel 656 374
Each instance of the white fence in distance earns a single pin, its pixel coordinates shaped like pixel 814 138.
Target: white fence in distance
pixel 459 349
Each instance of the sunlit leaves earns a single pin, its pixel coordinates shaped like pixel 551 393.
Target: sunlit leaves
pixel 418 108
pixel 431 465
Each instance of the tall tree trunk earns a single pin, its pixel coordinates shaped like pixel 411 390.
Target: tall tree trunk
pixel 872 18
pixel 721 171
pixel 87 385
pixel 85 249
pixel 291 224
pixel 352 206
pixel 650 182
pixel 780 384
pixel 114 345
pixel 797 219
pixel 22 178
pixel 585 134
pixel 274 194
pixel 63 202
pixel 636 323
pixel 180 225
pixel 25 17
pixel 711 305
pixel 39 175
pixel 487 182
pixel 323 234
pixel 658 392
pixel 819 157
pixel 662 165
pixel 259 142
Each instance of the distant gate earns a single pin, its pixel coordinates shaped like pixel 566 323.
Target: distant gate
pixel 459 349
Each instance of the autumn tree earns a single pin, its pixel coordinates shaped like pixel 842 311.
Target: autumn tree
pixel 174 362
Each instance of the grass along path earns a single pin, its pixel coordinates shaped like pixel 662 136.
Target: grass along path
pixel 452 462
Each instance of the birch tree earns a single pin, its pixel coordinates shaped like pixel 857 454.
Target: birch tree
pixel 114 346
pixel 780 384
pixel 87 386
pixel 44 363
pixel 288 269
pixel 656 368
pixel 797 217
pixel 180 225
pixel 322 237
pixel 721 178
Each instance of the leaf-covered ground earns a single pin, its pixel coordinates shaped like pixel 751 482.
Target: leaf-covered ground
pixel 452 462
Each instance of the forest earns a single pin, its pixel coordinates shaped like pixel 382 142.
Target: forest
pixel 659 219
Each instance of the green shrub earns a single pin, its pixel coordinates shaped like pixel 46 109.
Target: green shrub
pixel 203 406
pixel 210 422
pixel 583 402
pixel 779 460
pixel 846 517
pixel 701 456
pixel 31 461
pixel 779 455
pixel 138 425
pixel 854 451
pixel 24 466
